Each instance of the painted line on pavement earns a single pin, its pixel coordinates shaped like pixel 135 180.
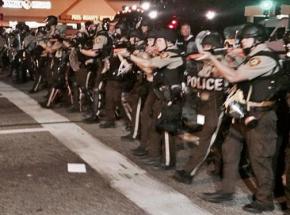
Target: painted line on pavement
pixel 22 130
pixel 126 177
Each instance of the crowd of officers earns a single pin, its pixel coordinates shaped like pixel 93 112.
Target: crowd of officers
pixel 188 100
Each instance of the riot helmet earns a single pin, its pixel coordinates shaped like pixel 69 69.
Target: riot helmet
pixel 169 37
pixel 214 39
pixel 88 24
pixel 137 34
pixel 252 31
pixel 20 26
pixel 121 28
pixel 51 21
pixel 255 31
pixel 166 34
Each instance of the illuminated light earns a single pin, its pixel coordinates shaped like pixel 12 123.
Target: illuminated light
pixel 73 25
pixel 281 16
pixel 126 8
pixel 41 4
pixel 26 4
pixel 145 5
pixel 171 26
pixel 85 17
pixel 76 17
pixel 129 11
pixel 174 22
pixel 12 24
pixel 153 14
pixel 32 24
pixel 12 4
pixel 267 5
pixel 134 7
pixel 90 17
pixel 210 14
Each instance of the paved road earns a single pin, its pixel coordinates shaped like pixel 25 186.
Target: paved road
pixel 37 144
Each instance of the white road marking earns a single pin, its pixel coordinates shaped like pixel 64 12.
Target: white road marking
pixel 22 130
pixel 136 184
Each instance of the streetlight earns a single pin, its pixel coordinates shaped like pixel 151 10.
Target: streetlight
pixel 210 14
pixel 145 5
pixel 267 5
pixel 153 14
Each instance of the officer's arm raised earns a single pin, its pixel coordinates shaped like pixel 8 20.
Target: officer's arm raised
pixel 141 61
pixel 227 72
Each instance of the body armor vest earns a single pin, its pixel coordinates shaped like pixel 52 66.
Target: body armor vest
pixel 264 88
pixel 169 77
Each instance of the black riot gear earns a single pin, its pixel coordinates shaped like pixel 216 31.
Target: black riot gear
pixel 214 39
pixel 256 31
pixel 167 34
pixel 21 26
pixel 136 34
pixel 106 24
pixel 88 24
pixel 50 21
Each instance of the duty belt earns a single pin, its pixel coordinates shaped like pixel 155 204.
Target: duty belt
pixel 170 87
pixel 263 104
pixel 168 92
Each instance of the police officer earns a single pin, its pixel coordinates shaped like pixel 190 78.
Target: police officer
pixel 255 89
pixel 208 96
pixel 117 31
pixel 169 67
pixel 51 22
pixel 133 87
pixel 40 58
pixel 100 50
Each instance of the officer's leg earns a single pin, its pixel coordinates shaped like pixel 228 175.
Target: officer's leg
pixel 154 141
pixel 75 93
pixel 261 142
pixel 231 151
pixel 146 122
pixel 146 119
pixel 168 150
pixel 113 99
pixel 38 75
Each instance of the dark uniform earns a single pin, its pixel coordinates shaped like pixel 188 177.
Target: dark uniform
pixel 207 95
pixel 167 106
pixel 257 93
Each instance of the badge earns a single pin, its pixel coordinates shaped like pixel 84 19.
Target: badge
pixel 254 61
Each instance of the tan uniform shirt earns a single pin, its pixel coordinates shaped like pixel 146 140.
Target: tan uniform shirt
pixel 258 65
pixel 166 59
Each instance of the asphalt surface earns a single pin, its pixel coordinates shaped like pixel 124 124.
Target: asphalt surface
pixel 34 177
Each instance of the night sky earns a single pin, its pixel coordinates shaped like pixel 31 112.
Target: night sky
pixel 230 12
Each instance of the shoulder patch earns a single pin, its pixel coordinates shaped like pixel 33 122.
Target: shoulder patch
pixel 254 61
